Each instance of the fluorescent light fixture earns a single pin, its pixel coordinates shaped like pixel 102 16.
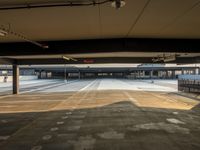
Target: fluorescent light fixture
pixel 170 58
pixel 165 58
pixel 3 33
pixel 157 59
pixel 68 58
pixel 73 59
pixel 118 4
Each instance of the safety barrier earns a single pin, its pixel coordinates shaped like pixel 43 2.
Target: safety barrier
pixel 189 83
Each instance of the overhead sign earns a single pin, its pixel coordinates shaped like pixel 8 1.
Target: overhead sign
pixel 88 61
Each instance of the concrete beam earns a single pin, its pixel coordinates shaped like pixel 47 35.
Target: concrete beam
pixel 6 61
pixel 15 79
pixel 102 45
pixel 181 60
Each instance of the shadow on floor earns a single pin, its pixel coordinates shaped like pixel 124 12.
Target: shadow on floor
pixel 117 126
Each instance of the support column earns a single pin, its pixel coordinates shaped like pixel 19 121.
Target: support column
pixel 151 74
pixel 15 79
pixel 79 74
pixel 182 72
pixel 194 72
pixel 167 74
pixel 173 74
pixel 40 75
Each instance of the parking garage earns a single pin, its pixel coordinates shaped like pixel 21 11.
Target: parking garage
pixel 99 74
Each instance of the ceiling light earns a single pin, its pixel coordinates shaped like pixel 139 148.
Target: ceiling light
pixel 68 58
pixel 165 58
pixel 170 58
pixel 118 3
pixel 3 33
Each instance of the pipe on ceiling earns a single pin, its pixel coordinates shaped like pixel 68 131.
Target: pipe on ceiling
pixel 47 5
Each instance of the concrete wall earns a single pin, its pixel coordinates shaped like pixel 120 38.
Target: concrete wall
pixel 22 78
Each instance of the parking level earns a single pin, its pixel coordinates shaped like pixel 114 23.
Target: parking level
pixel 90 117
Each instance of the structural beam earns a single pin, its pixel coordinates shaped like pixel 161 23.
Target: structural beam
pixel 181 60
pixel 6 61
pixel 102 45
pixel 15 79
pixel 85 60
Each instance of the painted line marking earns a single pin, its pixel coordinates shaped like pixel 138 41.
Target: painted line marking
pixel 131 98
pixel 84 88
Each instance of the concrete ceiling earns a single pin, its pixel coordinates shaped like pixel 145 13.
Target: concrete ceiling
pixel 139 18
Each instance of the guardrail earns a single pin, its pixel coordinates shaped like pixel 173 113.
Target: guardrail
pixel 189 83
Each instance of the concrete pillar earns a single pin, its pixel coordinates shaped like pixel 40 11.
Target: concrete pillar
pixel 194 72
pixel 197 71
pixel 167 74
pixel 140 74
pixel 15 79
pixel 79 75
pixel 144 74
pixel 182 72
pixel 151 73
pixel 40 75
pixel 173 74
pixel 65 75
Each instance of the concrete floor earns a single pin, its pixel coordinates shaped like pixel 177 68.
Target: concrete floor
pixel 106 114
pixel 28 86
